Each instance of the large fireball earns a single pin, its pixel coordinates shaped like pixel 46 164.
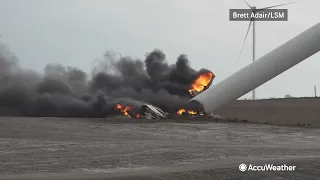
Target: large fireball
pixel 201 83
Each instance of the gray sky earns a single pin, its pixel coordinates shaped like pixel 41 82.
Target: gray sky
pixel 75 32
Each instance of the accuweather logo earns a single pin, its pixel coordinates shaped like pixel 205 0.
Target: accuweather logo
pixel 266 167
pixel 242 167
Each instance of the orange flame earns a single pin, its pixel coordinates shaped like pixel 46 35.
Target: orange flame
pixel 123 110
pixel 138 116
pixel 181 111
pixel 200 83
pixel 190 112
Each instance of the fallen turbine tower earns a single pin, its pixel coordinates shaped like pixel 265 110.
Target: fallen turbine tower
pixel 262 70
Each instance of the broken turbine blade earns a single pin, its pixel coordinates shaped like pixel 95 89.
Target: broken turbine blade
pixel 156 112
pixel 244 41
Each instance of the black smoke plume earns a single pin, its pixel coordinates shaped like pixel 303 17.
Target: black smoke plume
pixel 70 92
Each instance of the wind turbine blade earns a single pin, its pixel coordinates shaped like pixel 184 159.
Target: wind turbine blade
pixel 269 7
pixel 245 38
pixel 247 4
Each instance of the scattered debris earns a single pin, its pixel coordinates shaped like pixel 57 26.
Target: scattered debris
pixel 215 116
pixel 148 111
pixel 152 112
pixel 148 116
pixel 298 124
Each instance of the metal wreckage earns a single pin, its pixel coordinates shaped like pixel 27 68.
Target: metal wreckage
pixel 149 111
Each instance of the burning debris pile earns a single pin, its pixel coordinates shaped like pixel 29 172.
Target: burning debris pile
pixel 117 85
pixel 202 82
pixel 126 111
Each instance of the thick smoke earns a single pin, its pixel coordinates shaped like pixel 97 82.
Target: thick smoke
pixel 70 92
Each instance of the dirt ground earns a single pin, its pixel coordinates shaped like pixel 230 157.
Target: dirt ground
pixel 71 148
pixel 297 111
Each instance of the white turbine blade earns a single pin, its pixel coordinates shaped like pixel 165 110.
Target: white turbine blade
pixel 247 3
pixel 269 7
pixel 245 38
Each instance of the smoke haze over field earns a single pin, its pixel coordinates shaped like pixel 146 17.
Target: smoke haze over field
pixel 68 91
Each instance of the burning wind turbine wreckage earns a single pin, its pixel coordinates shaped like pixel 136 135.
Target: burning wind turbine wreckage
pixel 151 88
pixel 202 82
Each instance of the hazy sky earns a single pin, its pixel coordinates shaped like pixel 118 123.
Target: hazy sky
pixel 75 32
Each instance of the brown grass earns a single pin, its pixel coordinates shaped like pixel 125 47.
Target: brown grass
pixel 295 111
